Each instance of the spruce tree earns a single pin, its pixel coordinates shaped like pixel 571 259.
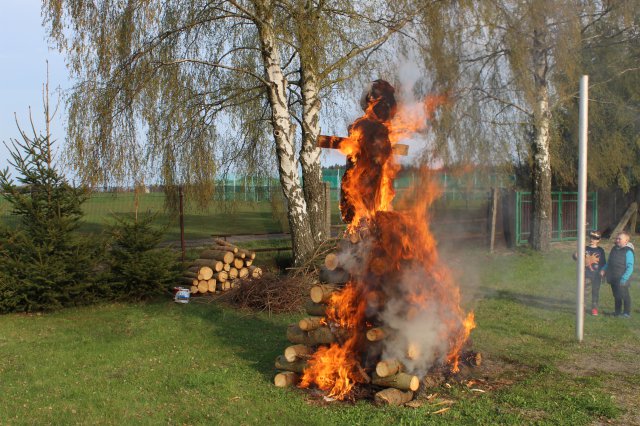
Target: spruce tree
pixel 139 269
pixel 44 262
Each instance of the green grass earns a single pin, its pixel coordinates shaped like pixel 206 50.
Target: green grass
pixel 205 363
pixel 237 217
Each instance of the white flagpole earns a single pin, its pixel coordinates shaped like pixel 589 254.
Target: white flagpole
pixel 582 203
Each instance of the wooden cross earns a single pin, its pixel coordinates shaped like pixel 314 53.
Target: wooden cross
pixel 333 142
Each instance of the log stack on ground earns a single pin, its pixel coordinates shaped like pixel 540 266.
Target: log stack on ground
pixel 387 381
pixel 219 267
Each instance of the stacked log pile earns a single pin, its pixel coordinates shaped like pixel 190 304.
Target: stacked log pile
pixel 220 267
pixel 388 379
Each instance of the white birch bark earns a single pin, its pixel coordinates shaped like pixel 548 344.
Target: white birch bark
pixel 310 154
pixel 542 208
pixel 283 132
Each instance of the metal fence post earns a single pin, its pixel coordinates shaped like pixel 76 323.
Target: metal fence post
pixel 518 217
pixel 182 242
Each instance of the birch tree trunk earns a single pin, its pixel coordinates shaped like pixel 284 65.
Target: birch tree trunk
pixel 541 226
pixel 283 133
pixel 310 153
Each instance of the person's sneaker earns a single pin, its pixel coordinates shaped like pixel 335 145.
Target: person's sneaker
pixel 594 312
pixel 625 316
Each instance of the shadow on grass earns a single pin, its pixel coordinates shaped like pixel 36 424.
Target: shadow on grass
pixel 548 303
pixel 252 337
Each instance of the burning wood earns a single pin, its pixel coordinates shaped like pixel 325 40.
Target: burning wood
pixel 387 302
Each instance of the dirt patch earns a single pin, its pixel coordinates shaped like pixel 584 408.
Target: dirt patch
pixel 615 372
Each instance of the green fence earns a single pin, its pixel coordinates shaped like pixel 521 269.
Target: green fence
pixel 247 203
pixel 564 215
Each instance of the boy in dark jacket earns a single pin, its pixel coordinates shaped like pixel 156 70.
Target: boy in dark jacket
pixel 594 261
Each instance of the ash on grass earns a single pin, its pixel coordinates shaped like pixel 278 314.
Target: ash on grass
pixel 272 293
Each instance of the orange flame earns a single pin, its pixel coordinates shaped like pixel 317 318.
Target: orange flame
pixel 398 241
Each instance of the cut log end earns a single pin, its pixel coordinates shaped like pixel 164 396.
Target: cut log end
pixel 291 353
pixel 321 293
pixel 393 396
pixel 310 323
pixel 376 334
pixel 331 261
pixel 286 379
pixel 388 367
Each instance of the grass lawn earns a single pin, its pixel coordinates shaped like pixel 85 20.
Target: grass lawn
pixel 204 363
pixel 233 217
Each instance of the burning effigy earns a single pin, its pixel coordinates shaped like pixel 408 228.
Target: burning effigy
pixel 387 312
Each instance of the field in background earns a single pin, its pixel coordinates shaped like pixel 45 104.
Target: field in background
pixel 222 216
pixel 207 363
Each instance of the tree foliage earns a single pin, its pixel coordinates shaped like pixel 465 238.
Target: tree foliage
pixel 512 67
pixel 212 85
pixel 139 269
pixel 44 264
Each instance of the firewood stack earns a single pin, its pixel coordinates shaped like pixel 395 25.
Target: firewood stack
pixel 391 381
pixel 220 268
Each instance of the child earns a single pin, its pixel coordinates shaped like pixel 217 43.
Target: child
pixel 594 261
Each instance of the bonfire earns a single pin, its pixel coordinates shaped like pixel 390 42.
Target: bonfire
pixel 389 312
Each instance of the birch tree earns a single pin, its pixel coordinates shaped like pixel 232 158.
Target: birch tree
pixel 190 74
pixel 331 40
pixel 519 61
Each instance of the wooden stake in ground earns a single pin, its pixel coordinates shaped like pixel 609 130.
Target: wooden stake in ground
pixel 633 208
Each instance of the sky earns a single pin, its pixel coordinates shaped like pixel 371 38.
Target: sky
pixel 24 52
